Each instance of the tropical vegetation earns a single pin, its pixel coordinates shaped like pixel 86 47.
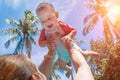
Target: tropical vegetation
pixel 107 68
pixel 23 32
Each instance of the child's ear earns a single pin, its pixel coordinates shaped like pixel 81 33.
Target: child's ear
pixel 32 77
pixel 57 14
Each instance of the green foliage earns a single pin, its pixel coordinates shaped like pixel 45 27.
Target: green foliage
pixel 109 47
pixel 109 64
pixel 23 32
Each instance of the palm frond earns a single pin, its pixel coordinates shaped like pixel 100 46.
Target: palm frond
pixel 13 38
pixel 32 40
pixel 20 23
pixel 91 4
pixel 18 47
pixel 29 19
pixel 88 17
pixel 10 31
pixel 107 33
pixel 12 21
pixel 106 26
pixel 116 28
pixel 90 25
pixel 34 22
pixel 34 31
pixel 7 44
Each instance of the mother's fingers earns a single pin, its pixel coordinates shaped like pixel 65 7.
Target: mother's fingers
pixel 59 34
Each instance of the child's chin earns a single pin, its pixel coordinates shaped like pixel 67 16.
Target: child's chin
pixel 53 29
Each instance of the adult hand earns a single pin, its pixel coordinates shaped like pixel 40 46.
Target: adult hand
pixel 59 35
pixel 67 39
pixel 67 43
pixel 51 44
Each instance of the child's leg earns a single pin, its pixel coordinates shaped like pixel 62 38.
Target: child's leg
pixel 65 66
pixel 69 70
pixel 62 64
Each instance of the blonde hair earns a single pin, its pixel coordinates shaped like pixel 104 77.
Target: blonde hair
pixel 44 5
pixel 17 67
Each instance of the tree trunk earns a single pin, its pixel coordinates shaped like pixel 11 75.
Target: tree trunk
pixel 116 29
pixel 107 33
pixel 29 46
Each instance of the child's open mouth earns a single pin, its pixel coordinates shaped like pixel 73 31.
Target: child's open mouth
pixel 50 26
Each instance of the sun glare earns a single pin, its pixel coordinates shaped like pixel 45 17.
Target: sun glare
pixel 114 11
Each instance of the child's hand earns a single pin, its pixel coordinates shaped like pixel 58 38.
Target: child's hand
pixel 66 39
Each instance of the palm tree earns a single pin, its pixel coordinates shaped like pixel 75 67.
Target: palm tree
pixel 22 32
pixel 99 11
pixel 114 8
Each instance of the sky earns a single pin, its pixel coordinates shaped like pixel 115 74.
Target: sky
pixel 70 11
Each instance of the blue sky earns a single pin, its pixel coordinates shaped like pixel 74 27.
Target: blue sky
pixel 70 11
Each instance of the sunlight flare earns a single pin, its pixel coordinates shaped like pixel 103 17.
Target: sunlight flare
pixel 114 11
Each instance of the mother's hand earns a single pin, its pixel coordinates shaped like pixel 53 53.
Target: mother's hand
pixel 51 45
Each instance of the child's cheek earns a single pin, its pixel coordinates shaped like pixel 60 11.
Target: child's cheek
pixel 45 27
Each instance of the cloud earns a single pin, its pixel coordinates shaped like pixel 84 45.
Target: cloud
pixel 63 7
pixel 14 3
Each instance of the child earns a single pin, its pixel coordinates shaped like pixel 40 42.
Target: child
pixel 58 29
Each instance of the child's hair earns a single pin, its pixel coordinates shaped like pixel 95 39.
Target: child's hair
pixel 44 5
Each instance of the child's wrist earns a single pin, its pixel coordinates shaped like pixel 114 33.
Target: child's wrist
pixel 48 56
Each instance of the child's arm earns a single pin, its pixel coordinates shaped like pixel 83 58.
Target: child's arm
pixel 72 33
pixel 43 43
pixel 68 30
pixel 69 37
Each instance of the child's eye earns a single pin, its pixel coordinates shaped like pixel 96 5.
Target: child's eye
pixel 43 21
pixel 50 18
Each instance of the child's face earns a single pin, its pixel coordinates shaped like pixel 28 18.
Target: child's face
pixel 48 19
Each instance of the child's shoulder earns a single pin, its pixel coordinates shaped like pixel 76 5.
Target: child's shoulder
pixel 61 23
pixel 42 31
